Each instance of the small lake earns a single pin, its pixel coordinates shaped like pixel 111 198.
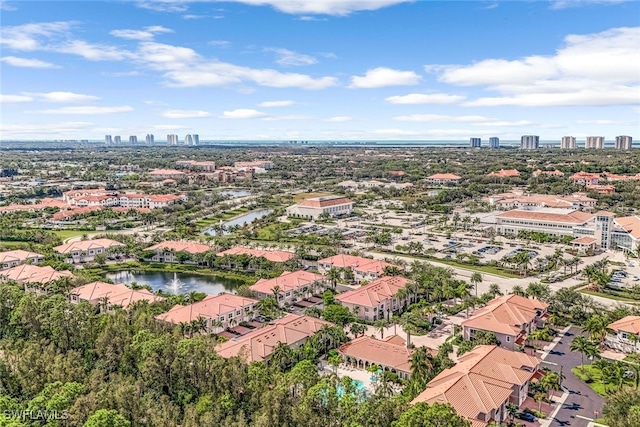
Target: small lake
pixel 233 194
pixel 241 220
pixel 185 283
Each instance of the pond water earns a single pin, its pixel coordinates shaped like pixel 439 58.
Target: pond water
pixel 177 283
pixel 241 220
pixel 235 193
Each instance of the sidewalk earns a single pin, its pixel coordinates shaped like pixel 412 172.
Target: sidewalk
pixel 559 401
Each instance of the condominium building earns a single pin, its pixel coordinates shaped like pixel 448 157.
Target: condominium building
pixel 172 139
pixel 149 139
pixel 624 142
pixel 494 142
pixel 108 140
pixel 475 142
pixel 196 139
pixel 568 143
pixel 530 142
pixel 133 139
pixel 594 142
pixel 188 139
pixel 117 139
pixel 377 300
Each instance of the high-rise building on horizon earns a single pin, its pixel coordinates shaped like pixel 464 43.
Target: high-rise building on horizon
pixel 529 142
pixel 568 142
pixel 475 142
pixel 196 139
pixel 594 142
pixel 624 142
pixel 149 139
pixel 117 140
pixel 188 139
pixel 133 139
pixel 108 140
pixel 172 139
pixel 494 142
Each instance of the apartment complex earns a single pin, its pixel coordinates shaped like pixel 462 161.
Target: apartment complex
pixel 510 317
pixel 624 335
pixel 475 142
pixel 443 179
pixel 483 381
pixel 529 142
pixel 568 143
pixel 494 142
pixel 16 257
pixel 624 142
pixel 103 198
pixel 362 268
pixel 27 274
pixel 594 142
pixel 315 207
pixel 168 251
pixel 108 296
pixel 291 286
pixel 389 354
pixel 273 256
pixel 86 250
pixel 378 299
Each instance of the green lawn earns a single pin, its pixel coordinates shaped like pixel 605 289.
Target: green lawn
pixel 592 376
pixel 65 234
pixel 609 296
pixel 9 245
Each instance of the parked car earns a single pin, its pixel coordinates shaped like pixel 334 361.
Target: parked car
pixel 526 416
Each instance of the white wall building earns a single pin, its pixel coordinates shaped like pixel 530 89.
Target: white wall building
pixel 313 208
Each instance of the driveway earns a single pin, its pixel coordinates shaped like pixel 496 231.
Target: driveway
pixel 579 408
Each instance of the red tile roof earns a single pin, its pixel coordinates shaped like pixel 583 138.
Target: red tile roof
pixel 85 245
pixel 505 314
pixel 287 281
pixel 180 246
pixel 385 353
pixel 273 256
pixel 629 324
pixel 325 201
pixel 372 294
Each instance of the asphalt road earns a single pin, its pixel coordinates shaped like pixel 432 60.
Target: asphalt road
pixel 582 400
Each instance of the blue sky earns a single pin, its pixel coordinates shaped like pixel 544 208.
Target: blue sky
pixel 320 69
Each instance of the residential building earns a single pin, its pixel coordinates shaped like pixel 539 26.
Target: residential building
pixel 494 142
pixel 481 384
pixel 149 139
pixel 568 143
pixel 378 299
pixel 475 142
pixel 389 354
pixel 594 142
pixel 167 173
pixel 292 286
pixel 256 164
pixel 108 140
pixel 352 185
pixel 273 256
pixel 362 268
pixel 624 142
pixel 221 311
pixel 168 251
pixel 108 296
pixel 601 189
pixel 529 142
pixel 586 178
pixel 510 317
pixel 519 199
pixel 315 207
pixel 258 345
pixel 196 139
pixel 188 140
pixel 505 173
pixel 117 139
pixel 30 274
pixel 86 250
pixel 624 335
pixel 16 257
pixel 133 139
pixel 443 179
pixel 172 139
pixel 207 166
pixel 538 172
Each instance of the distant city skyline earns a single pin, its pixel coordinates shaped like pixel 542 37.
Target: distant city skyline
pixel 329 70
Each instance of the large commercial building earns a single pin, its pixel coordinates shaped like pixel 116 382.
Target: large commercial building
pixel 315 207
pixel 568 143
pixel 624 142
pixel 494 142
pixel 475 142
pixel 149 139
pixel 530 142
pixel 594 142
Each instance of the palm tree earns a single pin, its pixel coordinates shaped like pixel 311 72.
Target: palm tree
pixel 333 275
pixel 276 294
pixel 596 325
pixel 512 410
pixel 282 356
pixel 517 290
pixel 494 289
pixel 422 365
pixel 551 382
pixel 357 329
pixel 585 346
pixel 380 325
pixel 475 279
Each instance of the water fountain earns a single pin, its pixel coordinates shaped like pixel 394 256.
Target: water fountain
pixel 175 284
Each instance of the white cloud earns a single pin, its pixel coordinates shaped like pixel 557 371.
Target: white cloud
pixel 186 114
pixel 287 117
pixel 223 44
pixel 62 97
pixel 27 37
pixel 339 119
pixel 44 130
pixel 289 58
pixel 87 110
pixel 604 122
pixel 440 118
pixel 15 98
pixel 243 113
pixel 7 7
pixel 323 7
pixel 92 52
pixel 565 4
pixel 163 6
pixel 592 69
pixel 158 29
pixel 27 62
pixel 382 77
pixel 504 123
pixel 310 18
pixel 132 34
pixel 121 73
pixel 193 16
pixel 424 98
pixel 271 104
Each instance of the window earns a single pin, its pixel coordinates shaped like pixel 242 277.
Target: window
pixel 230 316
pixel 624 335
pixel 238 313
pixel 508 339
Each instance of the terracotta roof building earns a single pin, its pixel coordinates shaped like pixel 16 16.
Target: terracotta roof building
pixel 624 334
pixel 626 233
pixel 86 250
pixel 273 256
pixel 33 274
pixel 293 286
pixel 518 199
pixel 505 173
pixel 314 207
pixel 257 345
pixel 481 384
pixel 220 312
pixel 362 268
pixel 390 354
pixel 108 296
pixel 376 300
pixel 509 317
pixel 168 251
pixel 10 259
pixel 443 179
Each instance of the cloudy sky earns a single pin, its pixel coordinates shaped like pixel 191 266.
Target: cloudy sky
pixel 320 69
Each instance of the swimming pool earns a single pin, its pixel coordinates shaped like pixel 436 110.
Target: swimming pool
pixel 359 386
